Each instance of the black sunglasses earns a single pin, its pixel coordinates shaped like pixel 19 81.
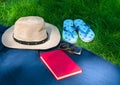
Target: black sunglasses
pixel 70 48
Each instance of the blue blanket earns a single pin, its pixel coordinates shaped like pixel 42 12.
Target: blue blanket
pixel 24 67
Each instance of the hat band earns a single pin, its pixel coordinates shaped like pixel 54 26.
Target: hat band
pixel 31 43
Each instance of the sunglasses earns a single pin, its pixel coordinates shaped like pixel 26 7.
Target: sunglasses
pixel 70 48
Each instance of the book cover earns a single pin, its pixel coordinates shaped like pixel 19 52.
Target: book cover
pixel 60 64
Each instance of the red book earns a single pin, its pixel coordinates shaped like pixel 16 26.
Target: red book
pixel 60 64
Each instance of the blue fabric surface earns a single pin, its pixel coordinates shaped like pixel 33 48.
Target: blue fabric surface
pixel 2 29
pixel 24 67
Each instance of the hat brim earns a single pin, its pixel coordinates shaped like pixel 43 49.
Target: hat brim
pixel 53 39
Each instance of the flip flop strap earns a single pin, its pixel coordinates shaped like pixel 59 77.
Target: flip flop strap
pixel 70 30
pixel 85 32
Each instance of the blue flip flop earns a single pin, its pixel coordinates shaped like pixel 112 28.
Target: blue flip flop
pixel 85 32
pixel 69 33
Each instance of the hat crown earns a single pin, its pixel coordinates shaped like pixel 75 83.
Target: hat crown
pixel 31 28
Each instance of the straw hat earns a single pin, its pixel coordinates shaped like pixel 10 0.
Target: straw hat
pixel 31 33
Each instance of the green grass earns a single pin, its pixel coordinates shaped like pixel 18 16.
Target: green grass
pixel 102 15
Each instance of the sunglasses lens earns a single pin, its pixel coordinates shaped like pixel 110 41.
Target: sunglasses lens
pixel 63 46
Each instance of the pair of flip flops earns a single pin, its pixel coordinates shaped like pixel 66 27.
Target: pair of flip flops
pixel 71 27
